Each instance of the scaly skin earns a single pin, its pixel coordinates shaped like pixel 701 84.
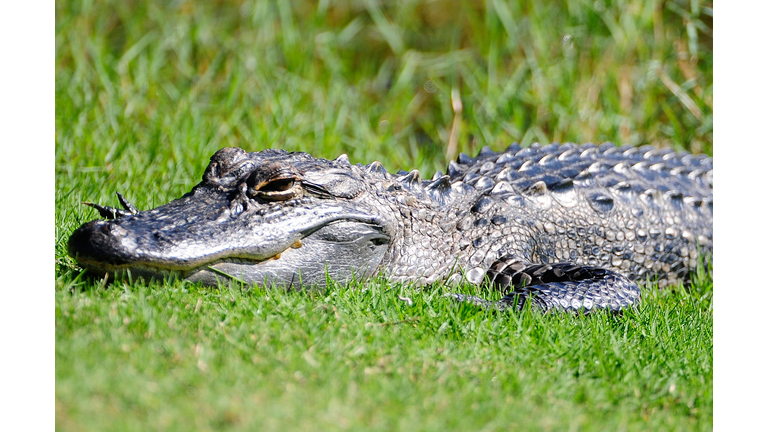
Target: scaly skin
pixel 572 227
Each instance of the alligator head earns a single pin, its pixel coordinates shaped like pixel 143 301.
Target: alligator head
pixel 268 217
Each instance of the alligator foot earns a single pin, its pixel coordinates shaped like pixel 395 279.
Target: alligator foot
pixel 108 212
pixel 563 286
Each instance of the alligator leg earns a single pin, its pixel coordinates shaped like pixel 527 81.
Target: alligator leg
pixel 563 286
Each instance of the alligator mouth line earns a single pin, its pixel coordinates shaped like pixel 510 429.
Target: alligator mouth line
pixel 160 270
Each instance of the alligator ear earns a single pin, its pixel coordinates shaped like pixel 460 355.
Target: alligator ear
pixel 336 182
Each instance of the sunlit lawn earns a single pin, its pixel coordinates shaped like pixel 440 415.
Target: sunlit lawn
pixel 146 92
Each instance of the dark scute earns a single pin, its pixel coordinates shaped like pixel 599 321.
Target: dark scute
pixel 550 180
pixel 441 184
pixel 524 152
pixel 601 203
pixel 413 177
pixel 499 220
pixel 676 198
pixel 504 158
pixel 482 205
pixel 535 170
pixel 487 167
pixel 376 167
pixel 538 188
pixel 468 179
pixel 569 171
pixel 484 183
pixel 562 186
pixel 523 183
pixel 487 151
pixel 465 159
pixel 455 169
pixel 513 148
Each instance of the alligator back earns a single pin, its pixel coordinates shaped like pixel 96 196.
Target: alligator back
pixel 644 212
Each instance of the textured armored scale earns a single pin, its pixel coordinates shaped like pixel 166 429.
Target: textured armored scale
pixel 570 227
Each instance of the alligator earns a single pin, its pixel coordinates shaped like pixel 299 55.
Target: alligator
pixel 565 227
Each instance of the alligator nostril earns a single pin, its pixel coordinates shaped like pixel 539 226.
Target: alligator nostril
pixel 97 241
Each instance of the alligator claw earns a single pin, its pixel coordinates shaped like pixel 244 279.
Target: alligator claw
pixel 108 212
pixel 126 204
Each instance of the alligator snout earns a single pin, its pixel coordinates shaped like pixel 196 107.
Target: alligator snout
pixel 101 242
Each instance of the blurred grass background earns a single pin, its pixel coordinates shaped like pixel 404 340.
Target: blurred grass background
pixel 137 79
pixel 147 91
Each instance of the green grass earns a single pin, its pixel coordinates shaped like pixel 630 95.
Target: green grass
pixel 147 91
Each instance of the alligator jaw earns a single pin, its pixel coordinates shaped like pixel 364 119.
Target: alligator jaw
pixel 339 243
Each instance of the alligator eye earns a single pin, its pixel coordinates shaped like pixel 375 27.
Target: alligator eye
pixel 280 185
pixel 281 189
